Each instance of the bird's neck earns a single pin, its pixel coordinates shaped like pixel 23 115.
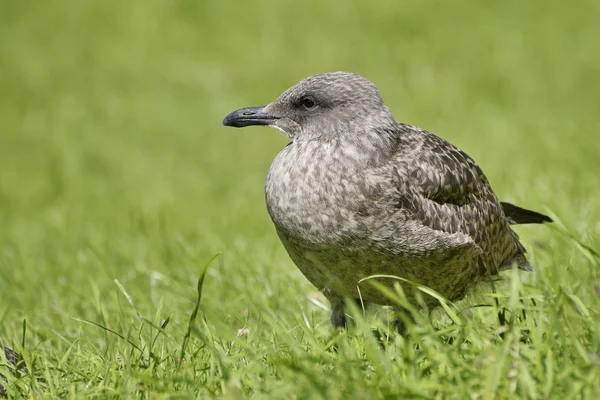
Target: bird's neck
pixel 356 149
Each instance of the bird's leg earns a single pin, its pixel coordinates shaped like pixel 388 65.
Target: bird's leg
pixel 400 323
pixel 400 326
pixel 338 312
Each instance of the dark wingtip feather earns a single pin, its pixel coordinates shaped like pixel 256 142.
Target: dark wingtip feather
pixel 518 215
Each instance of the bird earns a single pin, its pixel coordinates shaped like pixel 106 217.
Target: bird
pixel 356 193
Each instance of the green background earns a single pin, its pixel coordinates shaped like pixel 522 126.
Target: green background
pixel 114 166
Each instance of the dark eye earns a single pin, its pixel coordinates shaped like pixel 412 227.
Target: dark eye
pixel 308 103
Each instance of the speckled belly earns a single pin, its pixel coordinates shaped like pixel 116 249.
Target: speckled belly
pixel 337 269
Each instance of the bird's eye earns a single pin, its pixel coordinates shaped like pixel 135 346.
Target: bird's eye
pixel 308 103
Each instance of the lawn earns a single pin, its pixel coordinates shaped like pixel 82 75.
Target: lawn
pixel 119 186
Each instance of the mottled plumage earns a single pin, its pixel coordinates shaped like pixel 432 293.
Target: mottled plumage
pixel 356 193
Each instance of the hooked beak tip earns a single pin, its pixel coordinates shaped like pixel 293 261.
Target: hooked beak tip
pixel 248 116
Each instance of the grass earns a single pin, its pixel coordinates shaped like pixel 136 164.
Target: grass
pixel 118 185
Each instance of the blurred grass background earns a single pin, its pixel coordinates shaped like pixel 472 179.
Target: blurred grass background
pixel 114 165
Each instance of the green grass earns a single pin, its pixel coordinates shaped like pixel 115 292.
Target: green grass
pixel 118 184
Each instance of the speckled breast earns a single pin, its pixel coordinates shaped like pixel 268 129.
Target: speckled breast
pixel 317 195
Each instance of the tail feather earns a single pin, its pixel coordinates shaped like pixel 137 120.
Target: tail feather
pixel 517 215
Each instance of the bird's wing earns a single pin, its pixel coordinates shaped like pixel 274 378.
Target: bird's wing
pixel 444 189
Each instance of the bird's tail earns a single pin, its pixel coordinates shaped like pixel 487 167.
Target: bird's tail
pixel 517 215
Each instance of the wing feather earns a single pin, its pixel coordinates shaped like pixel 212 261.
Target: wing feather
pixel 446 190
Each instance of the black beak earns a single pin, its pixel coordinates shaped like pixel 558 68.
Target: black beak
pixel 248 116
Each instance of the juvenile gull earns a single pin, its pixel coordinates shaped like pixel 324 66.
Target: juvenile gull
pixel 356 193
